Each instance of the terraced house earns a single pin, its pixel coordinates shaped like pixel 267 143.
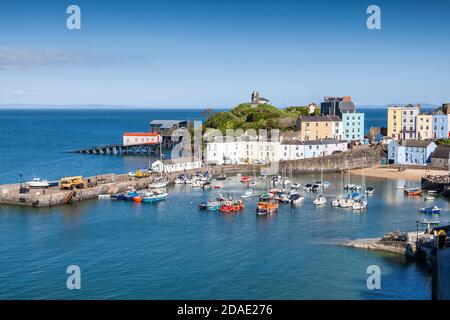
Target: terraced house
pixel 424 126
pixel 311 128
pixel 440 126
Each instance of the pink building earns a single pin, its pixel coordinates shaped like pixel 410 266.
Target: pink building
pixel 139 138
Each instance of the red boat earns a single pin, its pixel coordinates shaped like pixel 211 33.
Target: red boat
pixel 232 206
pixel 245 179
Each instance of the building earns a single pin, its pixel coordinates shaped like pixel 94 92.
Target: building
pixel 172 131
pixel 333 146
pixel 256 99
pixel 402 121
pixel 394 122
pixel 176 165
pixel 415 152
pixel 440 126
pixel 312 128
pixel 352 126
pixel 424 126
pixel 140 138
pixel 292 150
pixel 440 156
pixel 335 106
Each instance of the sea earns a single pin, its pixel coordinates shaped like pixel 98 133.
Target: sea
pixel 173 250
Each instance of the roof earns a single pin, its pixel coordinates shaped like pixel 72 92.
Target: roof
pixel 318 118
pixel 141 134
pixel 442 151
pixel 167 123
pixel 415 143
pixel 347 106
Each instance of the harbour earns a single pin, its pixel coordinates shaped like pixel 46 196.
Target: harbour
pixel 237 248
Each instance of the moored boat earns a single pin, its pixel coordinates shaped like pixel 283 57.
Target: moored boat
pixel 266 208
pixel 413 192
pixel 37 183
pixel 320 200
pixel 432 210
pixel 232 206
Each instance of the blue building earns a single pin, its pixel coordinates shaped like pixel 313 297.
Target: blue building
pixel 417 152
pixel 352 126
pixel 440 126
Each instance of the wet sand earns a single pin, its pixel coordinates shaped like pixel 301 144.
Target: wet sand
pixel 393 173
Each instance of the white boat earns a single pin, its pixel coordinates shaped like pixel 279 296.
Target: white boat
pixel 179 181
pixel 296 199
pixel 296 185
pixel 188 181
pixel 37 183
pixel 359 205
pixel 428 198
pixel 346 203
pixel 248 194
pixel 320 200
pixel 104 196
pixel 131 174
pixel 252 184
pixel 158 183
pixel 400 187
pixel 370 190
pixel 335 203
pixel 196 184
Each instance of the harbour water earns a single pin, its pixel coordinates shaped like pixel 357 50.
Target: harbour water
pixel 172 250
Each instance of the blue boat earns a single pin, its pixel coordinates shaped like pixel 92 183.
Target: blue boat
pixel 154 197
pixel 430 210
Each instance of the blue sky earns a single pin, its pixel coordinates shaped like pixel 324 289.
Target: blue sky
pixel 214 53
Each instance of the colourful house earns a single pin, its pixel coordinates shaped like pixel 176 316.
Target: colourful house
pixel 417 152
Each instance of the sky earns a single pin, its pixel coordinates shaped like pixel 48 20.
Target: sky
pixel 171 53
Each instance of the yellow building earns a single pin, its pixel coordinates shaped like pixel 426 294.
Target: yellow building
pixel 424 126
pixel 319 127
pixel 394 122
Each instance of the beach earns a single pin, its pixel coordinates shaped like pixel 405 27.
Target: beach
pixel 393 173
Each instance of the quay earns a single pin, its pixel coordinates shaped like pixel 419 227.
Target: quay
pixel 431 246
pixel 118 149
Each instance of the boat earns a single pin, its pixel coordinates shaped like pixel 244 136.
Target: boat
pixel 179 180
pixel 282 197
pixel 263 176
pixel 315 188
pixel 296 198
pixel 142 174
pixel 400 186
pixel 232 206
pixel 346 203
pixel 432 192
pixel 318 183
pixel 428 198
pixel 369 190
pixel 307 187
pixel 432 210
pixel 206 185
pixel 202 206
pixel 413 192
pixel 349 186
pixel 221 177
pixel 320 200
pixel 266 208
pixel 196 184
pixel 37 183
pixel 245 179
pixel 335 203
pixel 137 198
pixel 326 184
pixel 360 205
pixel 248 194
pixel 252 184
pixel 104 196
pixel 213 205
pixel 154 196
pixel 132 174
pixel 265 197
pixel 296 186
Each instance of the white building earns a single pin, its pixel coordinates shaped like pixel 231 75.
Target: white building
pixel 139 138
pixel 292 150
pixel 176 165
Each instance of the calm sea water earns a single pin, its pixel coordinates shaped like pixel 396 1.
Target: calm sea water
pixel 172 250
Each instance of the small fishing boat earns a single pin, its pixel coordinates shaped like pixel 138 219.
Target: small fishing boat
pixel 154 196
pixel 369 190
pixel 335 203
pixel 359 205
pixel 320 200
pixel 430 210
pixel 248 194
pixel 221 177
pixel 296 199
pixel 213 205
pixel 265 197
pixel 346 203
pixel 413 192
pixel 245 179
pixel 132 174
pixel 37 183
pixel 266 208
pixel 137 198
pixel 232 206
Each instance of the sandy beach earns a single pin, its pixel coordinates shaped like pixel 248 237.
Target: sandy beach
pixel 393 173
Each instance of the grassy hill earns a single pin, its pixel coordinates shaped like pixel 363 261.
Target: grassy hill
pixel 244 116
